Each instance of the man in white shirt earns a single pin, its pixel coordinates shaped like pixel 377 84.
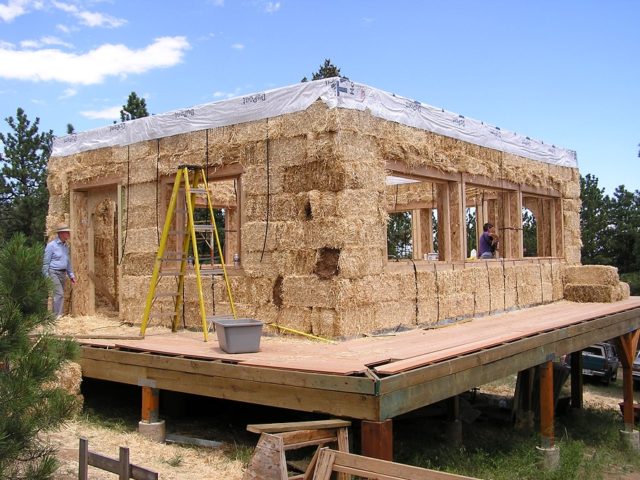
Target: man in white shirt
pixel 57 266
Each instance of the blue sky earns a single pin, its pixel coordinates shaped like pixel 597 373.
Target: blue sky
pixel 565 72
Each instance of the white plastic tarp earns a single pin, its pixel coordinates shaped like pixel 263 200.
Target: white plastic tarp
pixel 336 93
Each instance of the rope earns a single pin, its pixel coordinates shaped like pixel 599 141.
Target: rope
pixel 415 279
pixel 266 227
pixel 126 225
pixel 157 190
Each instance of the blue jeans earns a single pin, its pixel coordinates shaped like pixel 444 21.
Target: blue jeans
pixel 58 277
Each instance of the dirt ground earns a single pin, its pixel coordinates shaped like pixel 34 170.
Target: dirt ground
pixel 186 463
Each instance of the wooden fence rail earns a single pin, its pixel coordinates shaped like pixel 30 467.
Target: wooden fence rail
pixel 121 467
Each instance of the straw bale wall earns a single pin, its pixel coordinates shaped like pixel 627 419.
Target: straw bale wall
pixel 313 207
pixel 594 283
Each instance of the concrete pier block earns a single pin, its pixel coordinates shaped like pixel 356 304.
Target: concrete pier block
pixel 549 457
pixel 631 438
pixel 155 431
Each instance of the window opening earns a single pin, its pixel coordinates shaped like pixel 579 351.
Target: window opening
pixel 529 233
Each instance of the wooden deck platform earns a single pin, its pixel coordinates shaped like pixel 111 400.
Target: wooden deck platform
pixel 371 378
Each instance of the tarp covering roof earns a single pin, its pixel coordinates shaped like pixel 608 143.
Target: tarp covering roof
pixel 335 93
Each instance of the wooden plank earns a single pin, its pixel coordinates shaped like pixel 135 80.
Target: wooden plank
pixel 337 403
pixel 374 468
pixel 268 460
pixel 418 394
pixel 293 426
pixel 83 459
pixel 217 369
pixel 581 326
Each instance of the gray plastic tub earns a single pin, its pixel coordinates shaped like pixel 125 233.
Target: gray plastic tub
pixel 241 335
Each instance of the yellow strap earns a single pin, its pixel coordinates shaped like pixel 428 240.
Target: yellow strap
pixel 298 332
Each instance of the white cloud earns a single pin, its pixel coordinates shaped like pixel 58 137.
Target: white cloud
pixel 68 93
pixel 218 94
pixel 238 46
pixel 272 7
pixel 15 8
pixel 6 45
pixel 63 28
pixel 110 113
pixel 44 41
pixel 90 19
pixel 92 67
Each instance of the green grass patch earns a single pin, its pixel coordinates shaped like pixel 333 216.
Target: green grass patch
pixel 589 443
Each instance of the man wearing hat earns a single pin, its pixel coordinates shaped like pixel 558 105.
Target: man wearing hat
pixel 57 265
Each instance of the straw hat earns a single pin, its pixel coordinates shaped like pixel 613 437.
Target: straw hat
pixel 63 227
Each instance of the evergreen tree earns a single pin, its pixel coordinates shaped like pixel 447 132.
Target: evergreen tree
pixel 23 191
pixel 529 233
pixel 625 231
pixel 594 222
pixel 136 107
pixel 70 129
pixel 399 242
pixel 28 403
pixel 326 70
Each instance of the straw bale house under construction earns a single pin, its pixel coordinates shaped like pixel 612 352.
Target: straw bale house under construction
pixel 306 180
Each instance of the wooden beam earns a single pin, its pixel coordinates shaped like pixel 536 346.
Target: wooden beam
pixel 576 380
pixel 414 389
pixel 150 404
pixel 420 172
pixel 123 360
pixel 332 402
pixel 377 439
pixel 546 404
pixel 627 347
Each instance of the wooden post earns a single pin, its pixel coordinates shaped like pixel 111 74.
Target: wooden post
pixel 150 404
pixel 627 346
pixel 124 465
pixel 576 379
pixel 83 461
pixel 377 439
pixel 546 404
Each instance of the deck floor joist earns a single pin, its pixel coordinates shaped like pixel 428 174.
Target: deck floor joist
pixel 370 378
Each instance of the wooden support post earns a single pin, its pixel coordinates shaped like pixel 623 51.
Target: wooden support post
pixel 377 439
pixel 523 400
pixel 627 346
pixel 576 379
pixel 83 459
pixel 546 404
pixel 150 404
pixel 124 467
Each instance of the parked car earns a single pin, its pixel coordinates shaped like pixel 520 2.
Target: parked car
pixel 636 372
pixel 600 361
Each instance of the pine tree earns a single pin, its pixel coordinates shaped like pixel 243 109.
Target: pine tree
pixel 28 404
pixel 625 231
pixel 594 222
pixel 23 191
pixel 326 70
pixel 136 107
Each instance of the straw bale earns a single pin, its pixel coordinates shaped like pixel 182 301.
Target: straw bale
pixel 623 291
pixel 299 261
pixel 358 203
pixel 322 204
pixel 360 261
pixel 428 312
pixel 455 305
pixel 510 292
pixel 140 240
pixel 576 292
pixel 268 313
pixel 282 207
pixel 361 175
pixel 356 320
pixel 393 314
pixel 255 264
pixel 326 174
pixel 371 289
pixel 253 236
pixel 184 148
pixel 323 322
pixel 254 180
pixel 591 275
pixel 317 118
pixel 309 291
pixel 296 318
pixel 286 152
pixel 258 291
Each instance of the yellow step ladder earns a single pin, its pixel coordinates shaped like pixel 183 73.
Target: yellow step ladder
pixel 194 181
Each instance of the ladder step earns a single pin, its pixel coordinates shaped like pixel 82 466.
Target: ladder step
pixel 203 228
pixel 211 271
